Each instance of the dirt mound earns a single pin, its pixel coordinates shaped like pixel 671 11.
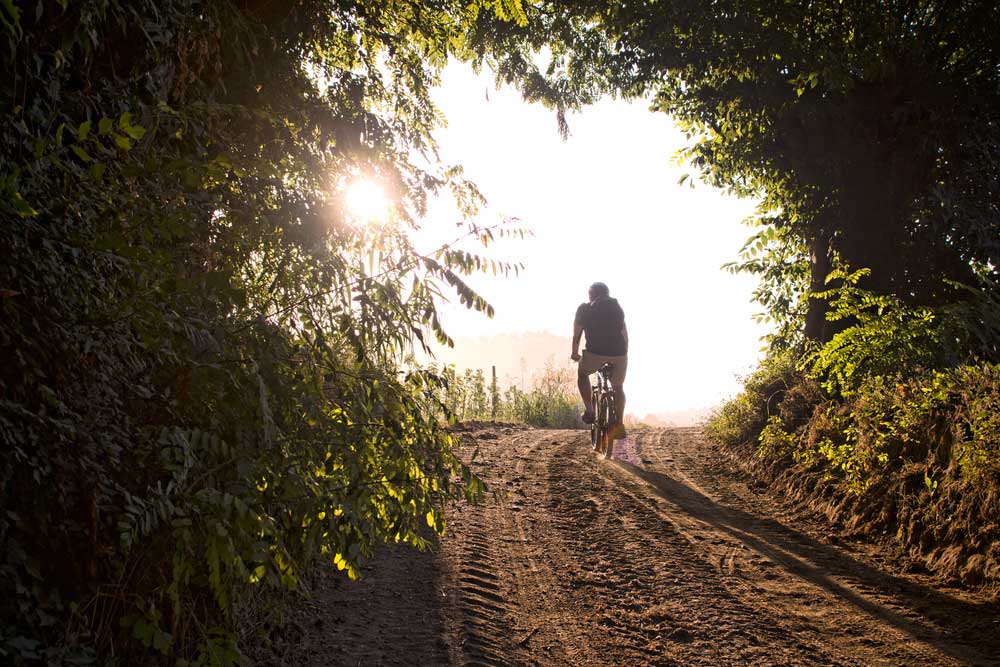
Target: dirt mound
pixel 945 530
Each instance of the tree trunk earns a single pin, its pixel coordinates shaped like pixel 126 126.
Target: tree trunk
pixel 819 267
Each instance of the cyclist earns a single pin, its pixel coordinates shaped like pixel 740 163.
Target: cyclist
pixel 603 320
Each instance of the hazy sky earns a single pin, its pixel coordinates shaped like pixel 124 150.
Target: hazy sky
pixel 604 205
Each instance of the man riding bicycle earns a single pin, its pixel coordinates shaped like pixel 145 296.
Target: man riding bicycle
pixel 603 320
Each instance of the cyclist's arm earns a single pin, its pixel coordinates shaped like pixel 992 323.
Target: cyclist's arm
pixel 577 335
pixel 625 332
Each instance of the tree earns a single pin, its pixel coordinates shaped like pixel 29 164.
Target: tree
pixel 200 390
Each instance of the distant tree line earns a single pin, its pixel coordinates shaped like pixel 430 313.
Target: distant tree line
pixel 552 401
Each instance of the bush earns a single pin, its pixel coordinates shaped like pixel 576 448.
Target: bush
pixel 917 456
pixel 883 336
pixel 946 418
pixel 741 419
pixel 976 393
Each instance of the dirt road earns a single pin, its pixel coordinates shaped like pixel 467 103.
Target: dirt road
pixel 668 560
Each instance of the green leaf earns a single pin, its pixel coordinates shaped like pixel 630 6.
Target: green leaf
pixel 83 131
pixel 135 131
pixel 13 12
pixel 125 125
pixel 104 126
pixel 22 207
pixel 82 154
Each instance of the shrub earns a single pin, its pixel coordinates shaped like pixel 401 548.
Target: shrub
pixel 977 417
pixel 741 419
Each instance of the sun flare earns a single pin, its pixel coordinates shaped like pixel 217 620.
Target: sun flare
pixel 366 200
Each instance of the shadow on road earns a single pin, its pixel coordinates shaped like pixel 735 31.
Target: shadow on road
pixel 960 623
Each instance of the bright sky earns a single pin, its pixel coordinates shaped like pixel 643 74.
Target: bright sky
pixel 604 205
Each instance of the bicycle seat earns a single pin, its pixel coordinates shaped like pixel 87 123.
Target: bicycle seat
pixel 605 370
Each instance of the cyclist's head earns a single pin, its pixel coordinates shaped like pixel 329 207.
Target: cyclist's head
pixel 598 290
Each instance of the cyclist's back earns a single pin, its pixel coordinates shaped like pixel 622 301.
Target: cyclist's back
pixel 602 320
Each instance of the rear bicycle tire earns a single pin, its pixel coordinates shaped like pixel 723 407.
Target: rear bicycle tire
pixel 606 412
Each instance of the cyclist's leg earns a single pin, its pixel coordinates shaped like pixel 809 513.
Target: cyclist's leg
pixel 595 430
pixel 587 366
pixel 618 429
pixel 583 384
pixel 619 369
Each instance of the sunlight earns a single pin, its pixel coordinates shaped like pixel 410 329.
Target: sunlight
pixel 366 201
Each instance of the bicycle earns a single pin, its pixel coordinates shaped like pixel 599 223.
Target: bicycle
pixel 605 412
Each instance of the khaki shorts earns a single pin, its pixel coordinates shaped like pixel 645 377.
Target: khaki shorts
pixel 590 362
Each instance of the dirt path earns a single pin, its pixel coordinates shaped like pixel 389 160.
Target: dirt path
pixel 672 561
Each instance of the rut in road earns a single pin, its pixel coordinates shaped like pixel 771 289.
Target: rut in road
pixel 577 560
pixel 606 563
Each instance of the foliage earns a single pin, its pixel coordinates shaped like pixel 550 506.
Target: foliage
pixel 885 336
pixel 875 395
pixel 945 420
pixel 780 262
pixel 774 441
pixel 976 396
pixel 551 402
pixel 201 389
pixel 741 418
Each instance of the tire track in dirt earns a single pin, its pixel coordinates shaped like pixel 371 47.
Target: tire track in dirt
pixel 659 602
pixel 598 578
pixel 657 570
pixel 476 584
pixel 504 602
pixel 544 629
pixel 577 560
pixel 482 606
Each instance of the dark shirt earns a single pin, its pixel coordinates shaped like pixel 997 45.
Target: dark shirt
pixel 602 321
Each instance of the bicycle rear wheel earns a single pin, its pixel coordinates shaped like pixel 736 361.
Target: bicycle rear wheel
pixel 606 416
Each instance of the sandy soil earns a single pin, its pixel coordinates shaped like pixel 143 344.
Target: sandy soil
pixel 662 556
